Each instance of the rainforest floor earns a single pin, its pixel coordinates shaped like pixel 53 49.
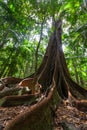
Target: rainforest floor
pixel 68 117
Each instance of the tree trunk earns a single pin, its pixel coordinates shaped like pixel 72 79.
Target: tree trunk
pixel 55 79
pixel 36 54
pixel 76 73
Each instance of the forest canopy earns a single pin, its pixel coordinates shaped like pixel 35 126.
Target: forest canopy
pixel 25 27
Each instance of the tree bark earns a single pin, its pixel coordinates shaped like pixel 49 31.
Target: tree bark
pixel 36 54
pixel 53 75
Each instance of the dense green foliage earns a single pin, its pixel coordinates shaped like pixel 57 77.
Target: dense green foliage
pixel 25 27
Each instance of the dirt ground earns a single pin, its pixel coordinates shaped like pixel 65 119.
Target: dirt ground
pixel 66 117
pixel 69 118
pixel 9 113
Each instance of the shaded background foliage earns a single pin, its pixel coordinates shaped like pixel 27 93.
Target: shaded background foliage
pixel 25 27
